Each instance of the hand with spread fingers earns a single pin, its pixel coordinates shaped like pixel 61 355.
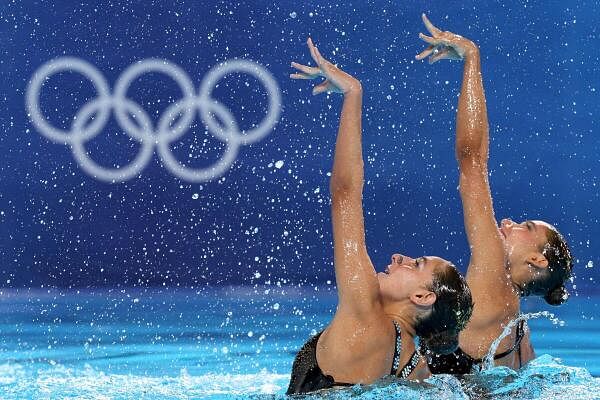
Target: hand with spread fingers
pixel 445 45
pixel 336 80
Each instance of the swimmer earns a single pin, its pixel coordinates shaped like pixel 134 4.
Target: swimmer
pixel 509 261
pixel 379 315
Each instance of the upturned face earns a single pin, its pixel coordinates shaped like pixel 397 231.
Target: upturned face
pixel 523 244
pixel 406 277
pixel 522 239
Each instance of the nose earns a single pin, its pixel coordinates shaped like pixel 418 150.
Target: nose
pixel 402 260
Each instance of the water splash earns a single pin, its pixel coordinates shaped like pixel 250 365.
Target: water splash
pixel 488 361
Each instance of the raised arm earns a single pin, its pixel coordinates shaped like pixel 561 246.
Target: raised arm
pixel 358 288
pixel 486 273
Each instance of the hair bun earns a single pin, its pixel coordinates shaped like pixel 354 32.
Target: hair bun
pixel 441 343
pixel 557 296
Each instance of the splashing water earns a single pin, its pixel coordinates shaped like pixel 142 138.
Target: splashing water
pixel 211 355
pixel 488 361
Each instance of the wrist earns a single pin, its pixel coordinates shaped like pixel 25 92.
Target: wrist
pixel 471 51
pixel 354 89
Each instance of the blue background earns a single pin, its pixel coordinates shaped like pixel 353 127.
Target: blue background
pixel 260 224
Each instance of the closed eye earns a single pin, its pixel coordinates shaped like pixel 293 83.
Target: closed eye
pixel 530 225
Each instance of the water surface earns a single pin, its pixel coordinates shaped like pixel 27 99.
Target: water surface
pixel 238 341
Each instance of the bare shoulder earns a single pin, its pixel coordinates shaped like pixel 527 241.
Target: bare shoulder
pixel 354 344
pixel 493 293
pixel 491 312
pixel 348 329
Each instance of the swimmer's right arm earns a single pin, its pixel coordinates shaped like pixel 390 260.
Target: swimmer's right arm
pixel 358 288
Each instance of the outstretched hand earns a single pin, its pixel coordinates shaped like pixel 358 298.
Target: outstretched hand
pixel 444 45
pixel 336 80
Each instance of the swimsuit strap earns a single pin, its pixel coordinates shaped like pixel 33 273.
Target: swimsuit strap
pixel 517 345
pixel 409 367
pixel 397 349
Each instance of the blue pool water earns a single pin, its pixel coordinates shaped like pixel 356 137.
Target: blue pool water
pixel 239 342
pixel 268 215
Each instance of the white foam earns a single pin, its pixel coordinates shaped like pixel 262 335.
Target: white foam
pixel 59 381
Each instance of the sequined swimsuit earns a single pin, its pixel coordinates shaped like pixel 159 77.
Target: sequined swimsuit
pixel 308 377
pixel 460 363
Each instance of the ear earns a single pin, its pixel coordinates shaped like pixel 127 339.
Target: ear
pixel 423 298
pixel 537 259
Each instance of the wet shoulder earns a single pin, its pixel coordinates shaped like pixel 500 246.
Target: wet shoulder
pixel 476 339
pixel 355 344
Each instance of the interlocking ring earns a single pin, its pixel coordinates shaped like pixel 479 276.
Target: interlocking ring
pixel 142 129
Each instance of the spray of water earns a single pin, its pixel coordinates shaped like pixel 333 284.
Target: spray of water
pixel 488 361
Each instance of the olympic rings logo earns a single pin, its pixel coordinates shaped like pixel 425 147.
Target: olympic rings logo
pixel 98 111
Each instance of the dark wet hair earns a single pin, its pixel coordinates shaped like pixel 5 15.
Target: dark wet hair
pixel 439 329
pixel 551 282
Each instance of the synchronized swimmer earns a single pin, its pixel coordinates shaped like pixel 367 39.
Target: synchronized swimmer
pixel 380 315
pixel 508 262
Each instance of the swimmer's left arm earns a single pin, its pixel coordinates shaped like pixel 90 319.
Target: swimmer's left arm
pixel 347 173
pixel 358 287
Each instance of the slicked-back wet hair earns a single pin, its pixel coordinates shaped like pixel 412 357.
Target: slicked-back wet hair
pixel 551 282
pixel 439 329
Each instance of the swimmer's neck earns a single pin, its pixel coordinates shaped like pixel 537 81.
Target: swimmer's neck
pixel 404 315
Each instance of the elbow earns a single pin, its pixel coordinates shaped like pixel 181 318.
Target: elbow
pixel 349 179
pixel 467 157
pixel 464 152
pixel 339 185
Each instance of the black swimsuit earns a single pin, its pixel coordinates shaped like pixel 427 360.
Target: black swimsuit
pixel 308 377
pixel 460 363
